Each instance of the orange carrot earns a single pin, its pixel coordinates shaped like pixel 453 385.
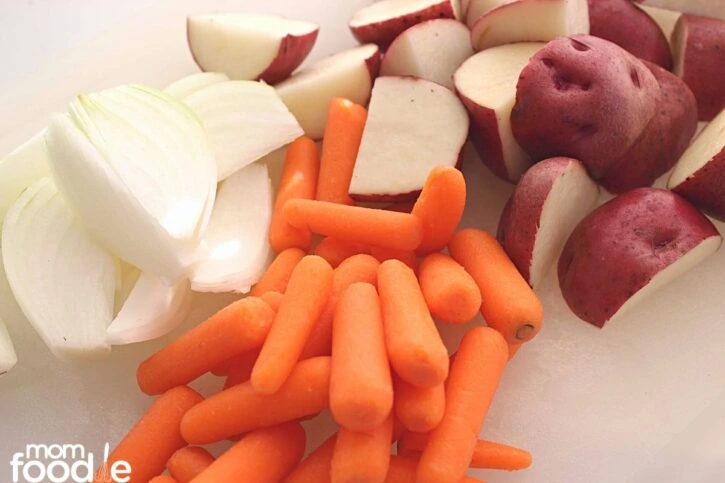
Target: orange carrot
pixel 414 345
pixel 369 226
pixel 240 408
pixel 486 454
pixel 316 467
pixel 241 370
pixel 361 388
pixel 509 304
pixel 154 438
pixel 273 299
pixel 403 468
pixel 277 276
pixel 450 292
pixel 163 479
pixel 264 456
pixel 362 457
pixel 419 409
pixel 513 349
pixel 336 251
pixel 306 297
pixel 341 141
pixel 474 378
pixel 237 328
pixel 298 180
pixel 188 462
pixel 357 268
pixel 440 207
pixel 406 256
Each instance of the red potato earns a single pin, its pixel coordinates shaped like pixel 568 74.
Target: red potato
pixel 704 8
pixel 486 83
pixel 413 125
pixel 382 21
pixel 548 202
pixel 248 46
pixel 699 175
pixel 529 21
pixel 348 74
pixel 629 247
pixel 665 20
pixel 663 141
pixel 699 48
pixel 621 22
pixel 431 50
pixel 585 98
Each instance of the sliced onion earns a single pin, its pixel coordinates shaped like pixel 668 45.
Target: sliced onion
pixel 19 169
pixel 62 279
pixel 8 358
pixel 136 167
pixel 236 246
pixel 245 120
pixel 186 86
pixel 152 309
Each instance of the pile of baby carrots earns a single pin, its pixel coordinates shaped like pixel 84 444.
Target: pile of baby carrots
pixel 349 326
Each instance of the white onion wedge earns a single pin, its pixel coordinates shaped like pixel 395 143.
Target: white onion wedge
pixel 19 169
pixel 8 358
pixel 245 120
pixel 152 309
pixel 236 246
pixel 136 167
pixel 188 85
pixel 62 279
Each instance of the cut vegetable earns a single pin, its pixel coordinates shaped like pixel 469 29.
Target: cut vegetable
pixel 190 84
pixel 136 167
pixel 62 279
pixel 235 244
pixel 245 120
pixel 151 310
pixel 19 169
pixel 8 359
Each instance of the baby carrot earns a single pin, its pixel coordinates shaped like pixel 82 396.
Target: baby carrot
pixel 361 389
pixel 240 408
pixel 370 226
pixel 241 370
pixel 188 462
pixel 357 268
pixel 277 276
pixel 154 438
pixel 513 349
pixel 316 467
pixel 273 299
pixel 163 479
pixel 406 256
pixel 336 251
pixel 474 378
pixel 486 454
pixel 237 328
pixel 306 297
pixel 509 305
pixel 414 345
pixel 402 470
pixel 298 180
pixel 440 207
pixel 264 456
pixel 340 144
pixel 362 457
pixel 419 408
pixel 450 292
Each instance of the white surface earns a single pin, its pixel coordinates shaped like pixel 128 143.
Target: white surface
pixel 593 406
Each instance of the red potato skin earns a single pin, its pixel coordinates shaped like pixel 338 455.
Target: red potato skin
pixel 520 218
pixel 620 246
pixel 705 188
pixel 485 138
pixel 621 22
pixel 583 97
pixel 663 140
pixel 373 64
pixel 293 50
pixel 703 39
pixel 383 33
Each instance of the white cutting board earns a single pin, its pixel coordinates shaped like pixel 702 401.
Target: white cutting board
pixel 640 401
